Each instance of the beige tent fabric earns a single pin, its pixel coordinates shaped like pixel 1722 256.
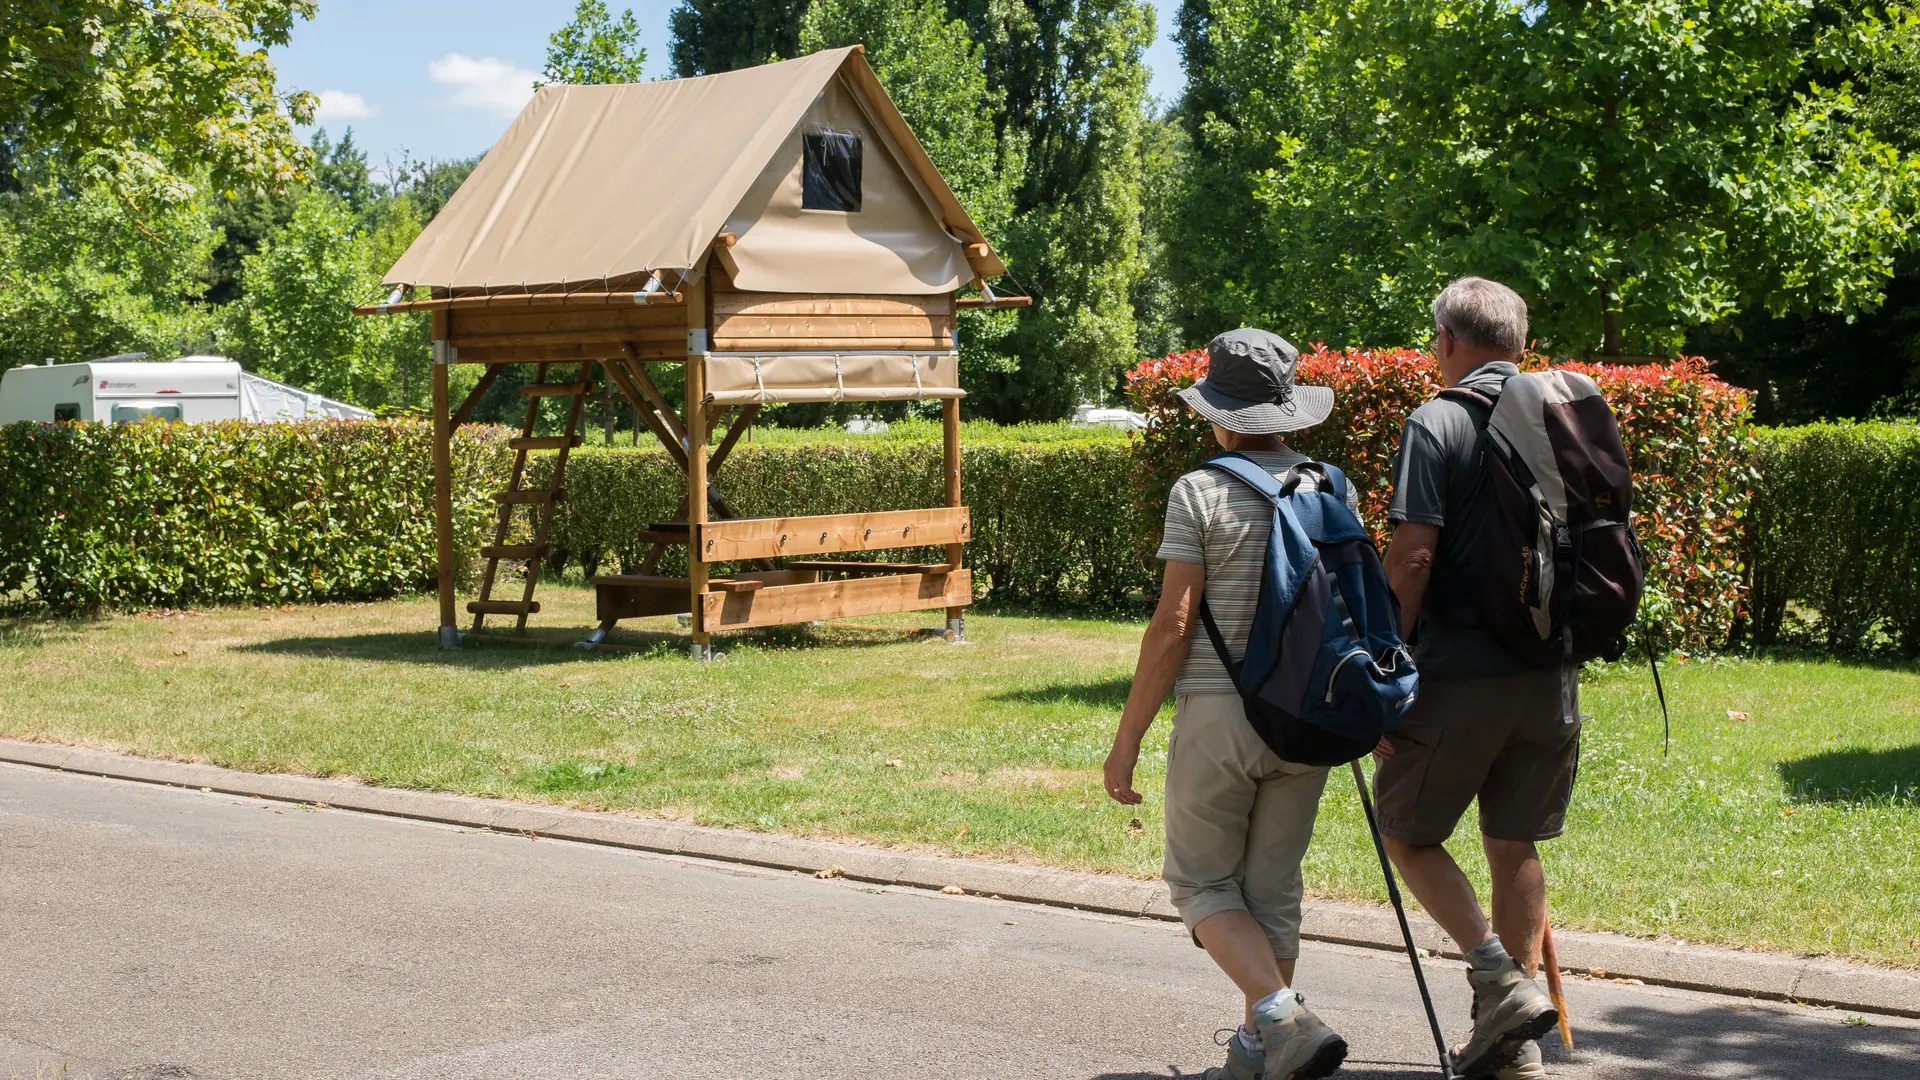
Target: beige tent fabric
pixel 602 183
pixel 893 244
pixel 767 378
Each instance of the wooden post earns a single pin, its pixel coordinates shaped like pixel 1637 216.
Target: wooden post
pixel 443 482
pixel 950 430
pixel 696 432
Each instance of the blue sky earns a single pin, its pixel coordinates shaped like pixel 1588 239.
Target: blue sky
pixel 442 78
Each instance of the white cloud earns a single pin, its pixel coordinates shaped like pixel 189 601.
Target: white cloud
pixel 486 83
pixel 342 105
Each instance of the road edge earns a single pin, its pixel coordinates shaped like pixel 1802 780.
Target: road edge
pixel 1734 972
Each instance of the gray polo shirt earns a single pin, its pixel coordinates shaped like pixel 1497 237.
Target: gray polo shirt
pixel 1218 522
pixel 1436 481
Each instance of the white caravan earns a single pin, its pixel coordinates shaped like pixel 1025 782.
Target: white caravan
pixel 192 389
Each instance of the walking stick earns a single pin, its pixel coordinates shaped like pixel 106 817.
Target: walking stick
pixel 1400 912
pixel 1550 957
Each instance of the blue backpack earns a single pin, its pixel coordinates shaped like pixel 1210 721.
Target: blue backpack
pixel 1325 674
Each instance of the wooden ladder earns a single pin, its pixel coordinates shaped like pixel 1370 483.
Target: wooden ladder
pixel 541 502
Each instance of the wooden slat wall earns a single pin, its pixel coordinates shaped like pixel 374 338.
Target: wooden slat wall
pixel 750 321
pixel 590 331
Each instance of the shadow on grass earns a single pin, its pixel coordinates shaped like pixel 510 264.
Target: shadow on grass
pixel 551 646
pixel 1855 776
pixel 1102 693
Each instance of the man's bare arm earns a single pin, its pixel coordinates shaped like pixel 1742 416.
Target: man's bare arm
pixel 1409 565
pixel 1162 651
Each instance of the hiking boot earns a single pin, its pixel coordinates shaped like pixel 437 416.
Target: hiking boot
pixel 1242 1063
pixel 1527 1066
pixel 1301 1047
pixel 1509 1011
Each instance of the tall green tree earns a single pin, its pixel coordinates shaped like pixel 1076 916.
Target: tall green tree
pixel 595 48
pixel 711 36
pixel 146 96
pixel 1634 169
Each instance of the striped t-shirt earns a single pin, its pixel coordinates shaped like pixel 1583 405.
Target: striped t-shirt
pixel 1221 523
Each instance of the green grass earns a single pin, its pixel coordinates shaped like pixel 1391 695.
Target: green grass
pixel 1794 829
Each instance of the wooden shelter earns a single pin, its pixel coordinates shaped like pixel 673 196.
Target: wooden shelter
pixel 779 233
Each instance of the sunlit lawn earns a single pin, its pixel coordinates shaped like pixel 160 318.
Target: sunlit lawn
pixel 1793 829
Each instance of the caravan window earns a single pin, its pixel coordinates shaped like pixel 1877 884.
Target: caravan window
pixel 135 411
pixel 64 413
pixel 831 177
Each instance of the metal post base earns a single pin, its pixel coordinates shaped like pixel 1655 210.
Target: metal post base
pixel 599 635
pixel 450 637
pixel 957 630
pixel 701 652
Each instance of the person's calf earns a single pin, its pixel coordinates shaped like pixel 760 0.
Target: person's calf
pixel 1437 882
pixel 1519 898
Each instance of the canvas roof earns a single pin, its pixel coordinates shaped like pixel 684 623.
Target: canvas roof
pixel 603 183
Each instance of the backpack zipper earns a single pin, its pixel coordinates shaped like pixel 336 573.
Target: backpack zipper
pixel 1334 675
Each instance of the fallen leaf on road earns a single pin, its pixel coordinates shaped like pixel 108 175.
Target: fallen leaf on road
pixel 1598 973
pixel 205 790
pixel 1009 922
pixel 954 890
pixel 830 872
pixel 179 652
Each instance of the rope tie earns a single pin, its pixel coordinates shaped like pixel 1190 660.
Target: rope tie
pixel 917 389
pixel 839 380
pixel 759 384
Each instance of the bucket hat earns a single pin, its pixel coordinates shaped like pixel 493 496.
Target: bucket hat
pixel 1249 386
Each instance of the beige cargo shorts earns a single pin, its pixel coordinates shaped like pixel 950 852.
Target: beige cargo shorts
pixel 1238 820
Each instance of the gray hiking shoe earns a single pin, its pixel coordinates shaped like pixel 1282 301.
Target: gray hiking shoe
pixel 1242 1064
pixel 1527 1066
pixel 1301 1047
pixel 1509 1012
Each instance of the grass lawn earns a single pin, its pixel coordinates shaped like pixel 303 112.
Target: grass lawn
pixel 1792 828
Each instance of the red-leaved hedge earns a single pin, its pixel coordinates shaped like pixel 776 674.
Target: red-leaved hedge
pixel 1687 431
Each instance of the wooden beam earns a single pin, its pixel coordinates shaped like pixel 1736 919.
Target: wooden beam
pixel 554 389
pixel 461 303
pixel 950 462
pixel 735 428
pixel 667 416
pixel 569 353
pixel 778 604
pixel 757 538
pixel 554 320
pixel 443 503
pixel 978 251
pixel 803 327
pixel 975 302
pixel 479 390
pixel 870 567
pixel 737 344
pixel 617 370
pixel 696 433
pixel 611 335
pixel 727 303
pixel 726 240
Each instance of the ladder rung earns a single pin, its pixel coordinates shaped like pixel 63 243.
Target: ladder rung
pixel 565 389
pixel 514 551
pixel 530 496
pixel 503 607
pixel 544 442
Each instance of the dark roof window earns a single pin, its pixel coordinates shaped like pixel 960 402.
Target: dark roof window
pixel 831 177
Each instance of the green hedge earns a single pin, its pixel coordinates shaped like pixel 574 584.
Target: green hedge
pixel 1834 544
pixel 173 515
pixel 1053 519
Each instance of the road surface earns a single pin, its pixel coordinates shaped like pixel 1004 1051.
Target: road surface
pixel 152 933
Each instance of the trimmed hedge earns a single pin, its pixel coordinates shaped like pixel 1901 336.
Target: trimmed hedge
pixel 1836 532
pixel 1050 520
pixel 1687 431
pixel 173 515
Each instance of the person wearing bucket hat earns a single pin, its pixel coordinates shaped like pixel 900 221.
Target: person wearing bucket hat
pixel 1238 818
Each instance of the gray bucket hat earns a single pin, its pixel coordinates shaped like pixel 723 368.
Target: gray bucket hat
pixel 1249 386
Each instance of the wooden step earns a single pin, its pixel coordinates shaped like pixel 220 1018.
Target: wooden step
pixel 566 389
pixel 503 607
pixel 532 496
pixel 514 551
pixel 543 442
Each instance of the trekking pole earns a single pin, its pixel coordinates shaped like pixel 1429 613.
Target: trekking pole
pixel 1550 959
pixel 1400 912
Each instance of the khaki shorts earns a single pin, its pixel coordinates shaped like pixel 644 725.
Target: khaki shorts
pixel 1503 740
pixel 1238 821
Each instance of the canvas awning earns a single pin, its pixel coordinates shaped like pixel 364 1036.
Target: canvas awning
pixel 769 378
pixel 606 184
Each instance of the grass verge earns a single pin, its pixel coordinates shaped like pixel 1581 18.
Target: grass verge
pixel 1787 816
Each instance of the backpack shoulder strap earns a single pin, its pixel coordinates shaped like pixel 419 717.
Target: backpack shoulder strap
pixel 1245 470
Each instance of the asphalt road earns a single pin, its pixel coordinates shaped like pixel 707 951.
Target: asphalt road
pixel 150 932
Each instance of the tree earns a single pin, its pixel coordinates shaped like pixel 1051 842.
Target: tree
pixel 147 96
pixel 595 48
pixel 1635 170
pixel 82 277
pixel 711 36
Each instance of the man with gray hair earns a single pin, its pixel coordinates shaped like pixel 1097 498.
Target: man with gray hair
pixel 1487 725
